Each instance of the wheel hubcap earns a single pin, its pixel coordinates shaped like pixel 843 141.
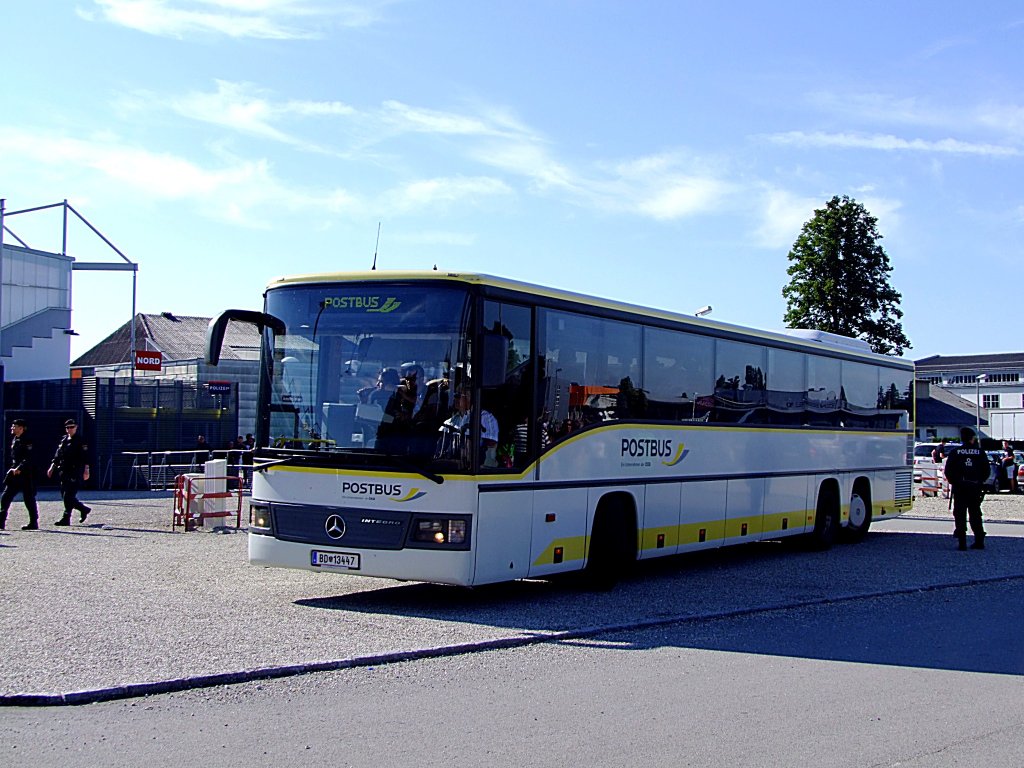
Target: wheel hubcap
pixel 858 511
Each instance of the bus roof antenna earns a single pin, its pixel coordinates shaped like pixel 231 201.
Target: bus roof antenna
pixel 374 267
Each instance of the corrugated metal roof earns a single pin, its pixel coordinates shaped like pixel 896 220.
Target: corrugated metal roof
pixel 177 337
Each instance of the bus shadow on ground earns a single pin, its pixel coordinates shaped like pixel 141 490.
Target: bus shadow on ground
pixel 906 599
pixel 971 628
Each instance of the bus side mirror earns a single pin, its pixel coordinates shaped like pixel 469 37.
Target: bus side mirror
pixel 218 326
pixel 495 358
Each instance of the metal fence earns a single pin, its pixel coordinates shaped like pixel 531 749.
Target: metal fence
pixel 119 419
pixel 157 470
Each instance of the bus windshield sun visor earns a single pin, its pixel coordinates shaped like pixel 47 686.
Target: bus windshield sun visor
pixel 218 327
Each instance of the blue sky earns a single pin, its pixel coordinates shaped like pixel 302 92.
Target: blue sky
pixel 661 153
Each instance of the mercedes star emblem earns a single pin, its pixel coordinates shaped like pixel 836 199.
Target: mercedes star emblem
pixel 335 526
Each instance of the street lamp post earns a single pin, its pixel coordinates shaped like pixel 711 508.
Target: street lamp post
pixel 977 407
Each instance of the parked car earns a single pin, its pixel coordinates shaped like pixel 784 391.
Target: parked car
pixel 998 479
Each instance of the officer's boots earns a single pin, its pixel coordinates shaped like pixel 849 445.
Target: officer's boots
pixel 979 542
pixel 65 520
pixel 961 542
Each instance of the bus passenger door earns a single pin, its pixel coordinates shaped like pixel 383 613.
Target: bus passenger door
pixel 502 537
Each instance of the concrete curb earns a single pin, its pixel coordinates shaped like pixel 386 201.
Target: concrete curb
pixel 138 690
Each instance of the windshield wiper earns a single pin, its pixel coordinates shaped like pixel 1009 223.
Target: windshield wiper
pixel 406 464
pixel 271 463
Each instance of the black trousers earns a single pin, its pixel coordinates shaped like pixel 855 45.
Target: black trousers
pixel 12 488
pixel 967 503
pixel 69 495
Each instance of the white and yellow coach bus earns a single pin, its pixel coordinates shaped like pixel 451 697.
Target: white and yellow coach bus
pixel 466 429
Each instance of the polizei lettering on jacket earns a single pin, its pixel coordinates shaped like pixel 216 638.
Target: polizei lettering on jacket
pixel 371 489
pixel 644 448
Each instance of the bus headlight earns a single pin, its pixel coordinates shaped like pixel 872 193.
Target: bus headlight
pixel 440 532
pixel 259 517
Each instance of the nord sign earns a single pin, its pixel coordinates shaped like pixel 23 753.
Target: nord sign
pixel 147 361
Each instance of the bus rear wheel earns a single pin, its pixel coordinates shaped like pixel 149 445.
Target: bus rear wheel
pixel 860 517
pixel 826 519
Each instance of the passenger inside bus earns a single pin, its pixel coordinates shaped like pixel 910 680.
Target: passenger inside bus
pixel 412 386
pixel 380 392
pixel 455 438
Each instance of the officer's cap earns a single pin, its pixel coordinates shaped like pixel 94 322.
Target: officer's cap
pixel 18 423
pixel 70 423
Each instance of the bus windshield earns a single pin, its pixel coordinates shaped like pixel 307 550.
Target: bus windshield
pixel 366 367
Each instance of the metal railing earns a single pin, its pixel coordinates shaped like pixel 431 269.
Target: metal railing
pixel 158 470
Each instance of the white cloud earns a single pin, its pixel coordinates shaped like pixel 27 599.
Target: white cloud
pixel 680 197
pixel 885 209
pixel 246 108
pixel 889 143
pixel 241 191
pixel 661 187
pixel 664 187
pixel 783 215
pixel 1008 118
pixel 268 19
pixel 941 46
pixel 881 108
pixel 428 193
pixel 416 119
pixel 877 107
pixel 529 160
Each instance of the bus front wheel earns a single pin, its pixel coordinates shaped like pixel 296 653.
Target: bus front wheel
pixel 612 546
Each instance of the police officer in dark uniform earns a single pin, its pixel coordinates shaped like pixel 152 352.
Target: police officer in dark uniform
pixel 966 470
pixel 70 463
pixel 20 478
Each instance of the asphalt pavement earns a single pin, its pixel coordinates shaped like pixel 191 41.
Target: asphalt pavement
pixel 123 606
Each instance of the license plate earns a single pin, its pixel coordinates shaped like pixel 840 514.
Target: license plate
pixel 346 560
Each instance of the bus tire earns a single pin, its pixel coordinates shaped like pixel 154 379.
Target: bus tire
pixel 826 517
pixel 612 545
pixel 860 514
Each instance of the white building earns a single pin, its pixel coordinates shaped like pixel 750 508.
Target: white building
pixel 995 383
pixel 35 314
pixel 35 298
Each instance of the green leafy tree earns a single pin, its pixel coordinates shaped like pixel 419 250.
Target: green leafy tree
pixel 839 278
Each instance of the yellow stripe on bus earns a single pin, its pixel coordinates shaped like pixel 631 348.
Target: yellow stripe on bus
pixel 573 548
